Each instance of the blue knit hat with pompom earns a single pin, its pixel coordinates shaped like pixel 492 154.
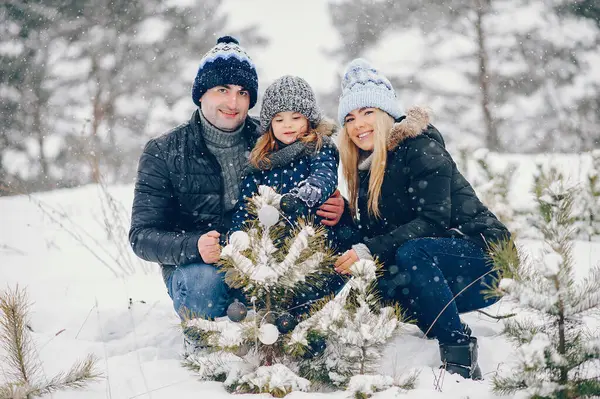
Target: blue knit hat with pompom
pixel 363 87
pixel 226 64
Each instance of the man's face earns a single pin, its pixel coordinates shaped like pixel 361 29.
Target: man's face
pixel 225 107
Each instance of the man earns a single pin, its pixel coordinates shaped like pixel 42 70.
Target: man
pixel 188 183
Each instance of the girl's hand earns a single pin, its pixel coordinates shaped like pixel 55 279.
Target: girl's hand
pixel 342 265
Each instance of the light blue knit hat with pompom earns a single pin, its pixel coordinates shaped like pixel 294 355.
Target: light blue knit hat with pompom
pixel 363 86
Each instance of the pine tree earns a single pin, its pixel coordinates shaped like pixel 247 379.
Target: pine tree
pixel 583 8
pixel 355 327
pixel 265 349
pixel 492 185
pixel 555 353
pixel 25 377
pixel 273 262
pixel 27 30
pixel 589 201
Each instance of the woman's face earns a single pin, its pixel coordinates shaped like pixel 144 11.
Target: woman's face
pixel 360 127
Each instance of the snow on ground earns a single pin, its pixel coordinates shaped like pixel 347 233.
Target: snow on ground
pixel 127 320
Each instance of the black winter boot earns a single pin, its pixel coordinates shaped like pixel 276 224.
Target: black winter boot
pixel 465 329
pixel 461 359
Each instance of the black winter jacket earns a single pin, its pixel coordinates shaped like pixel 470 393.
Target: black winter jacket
pixel 179 195
pixel 423 194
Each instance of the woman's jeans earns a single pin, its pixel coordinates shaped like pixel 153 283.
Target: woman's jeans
pixel 427 275
pixel 199 290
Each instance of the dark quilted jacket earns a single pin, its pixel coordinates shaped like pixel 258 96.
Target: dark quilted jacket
pixel 423 195
pixel 178 195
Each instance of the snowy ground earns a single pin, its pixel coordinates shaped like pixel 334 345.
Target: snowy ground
pixel 81 306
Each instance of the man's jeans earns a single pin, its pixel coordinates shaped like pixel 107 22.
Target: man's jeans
pixel 199 290
pixel 428 273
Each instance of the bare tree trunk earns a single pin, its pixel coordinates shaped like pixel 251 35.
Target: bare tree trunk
pixel 562 344
pixel 4 178
pixel 97 116
pixel 38 100
pixel 491 139
pixel 41 139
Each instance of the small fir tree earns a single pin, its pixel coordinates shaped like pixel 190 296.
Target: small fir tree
pixel 23 371
pixel 355 328
pixel 273 262
pixel 590 200
pixel 494 186
pixel 264 349
pixel 556 356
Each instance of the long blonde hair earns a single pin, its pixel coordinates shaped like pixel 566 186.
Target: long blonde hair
pixel 349 156
pixel 267 144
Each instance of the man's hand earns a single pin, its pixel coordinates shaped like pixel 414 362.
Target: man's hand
pixel 342 265
pixel 209 248
pixel 331 211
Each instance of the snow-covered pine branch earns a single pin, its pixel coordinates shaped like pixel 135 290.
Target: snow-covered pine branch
pixel 272 262
pixel 554 354
pixel 254 254
pixel 354 326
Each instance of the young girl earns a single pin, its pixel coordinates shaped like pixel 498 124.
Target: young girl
pixel 295 155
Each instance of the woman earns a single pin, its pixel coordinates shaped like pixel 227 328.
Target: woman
pixel 416 213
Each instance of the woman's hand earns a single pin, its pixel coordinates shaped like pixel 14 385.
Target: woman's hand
pixel 331 211
pixel 342 265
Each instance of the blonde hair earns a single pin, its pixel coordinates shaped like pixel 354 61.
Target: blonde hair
pixel 267 144
pixel 349 157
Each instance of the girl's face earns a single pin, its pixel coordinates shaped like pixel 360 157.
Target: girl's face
pixel 288 126
pixel 360 127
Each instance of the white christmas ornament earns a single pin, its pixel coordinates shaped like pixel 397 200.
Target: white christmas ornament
pixel 268 215
pixel 240 240
pixel 268 334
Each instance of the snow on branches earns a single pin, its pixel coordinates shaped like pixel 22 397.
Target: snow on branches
pixel 355 327
pixel 263 348
pixel 554 354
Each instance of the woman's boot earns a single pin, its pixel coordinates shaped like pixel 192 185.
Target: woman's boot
pixel 461 359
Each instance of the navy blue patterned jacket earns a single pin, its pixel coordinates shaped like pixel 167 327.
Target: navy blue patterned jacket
pixel 293 166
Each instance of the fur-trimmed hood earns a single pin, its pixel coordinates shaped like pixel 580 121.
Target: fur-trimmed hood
pixel 326 128
pixel 413 124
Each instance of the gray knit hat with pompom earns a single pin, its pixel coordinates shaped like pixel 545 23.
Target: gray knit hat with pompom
pixel 289 93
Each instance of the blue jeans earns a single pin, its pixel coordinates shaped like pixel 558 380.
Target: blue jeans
pixel 428 273
pixel 200 290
